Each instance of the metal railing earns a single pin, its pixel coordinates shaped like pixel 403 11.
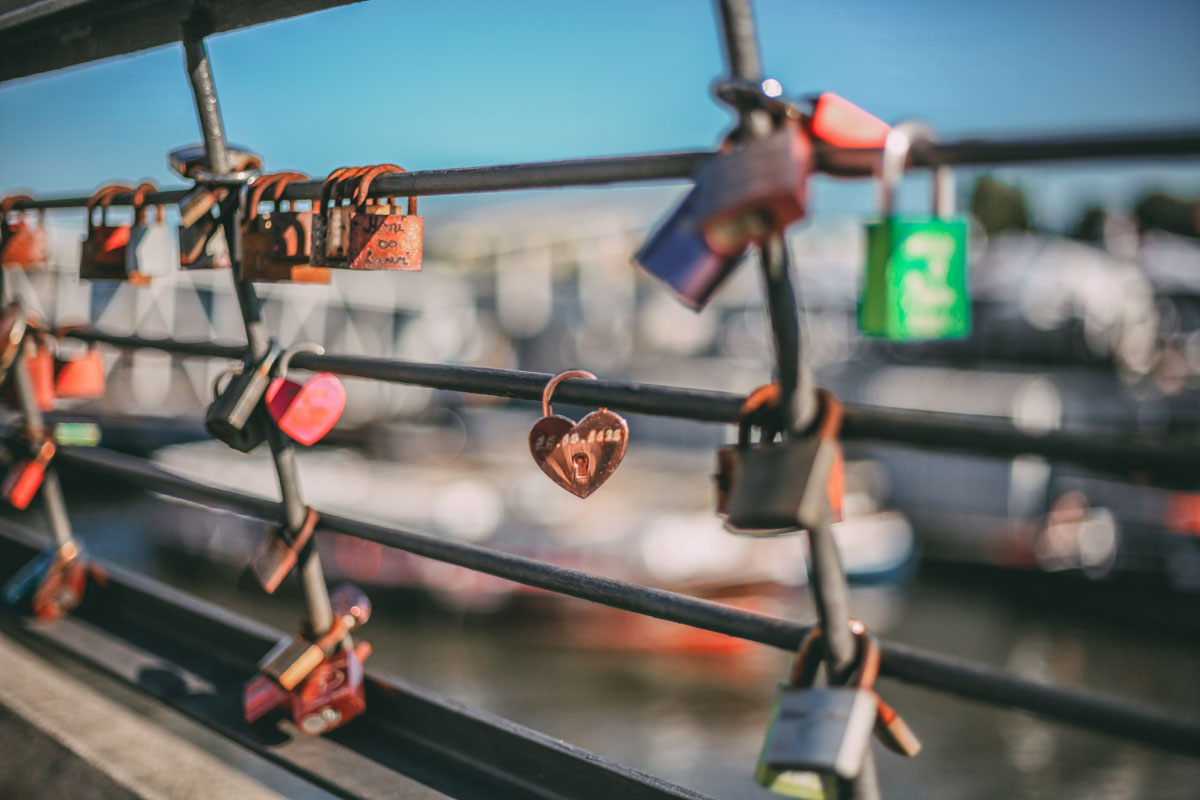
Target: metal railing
pixel 1166 465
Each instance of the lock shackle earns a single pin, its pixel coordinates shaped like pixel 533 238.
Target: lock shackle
pixel 363 188
pixel 6 205
pixel 254 192
pixel 831 414
pixel 342 187
pixel 867 658
pixel 331 181
pixel 285 360
pixel 757 408
pixel 896 148
pixel 263 365
pixel 104 196
pixel 281 184
pixel 553 383
pixel 139 203
pixel 62 330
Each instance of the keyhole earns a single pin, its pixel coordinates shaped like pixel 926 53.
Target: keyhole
pixel 581 468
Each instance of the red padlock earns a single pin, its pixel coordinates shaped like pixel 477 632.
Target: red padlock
pixel 837 121
pixel 24 479
pixel 80 377
pixel 20 245
pixel 333 694
pixel 308 411
pixel 62 590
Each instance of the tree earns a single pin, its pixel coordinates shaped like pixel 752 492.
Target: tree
pixel 1165 212
pixel 998 206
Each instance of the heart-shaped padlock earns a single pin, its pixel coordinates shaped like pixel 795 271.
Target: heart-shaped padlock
pixel 578 456
pixel 307 411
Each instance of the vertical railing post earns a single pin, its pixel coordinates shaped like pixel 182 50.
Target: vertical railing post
pixel 794 374
pixel 35 426
pixel 312 577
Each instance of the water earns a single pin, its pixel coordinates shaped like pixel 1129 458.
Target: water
pixel 698 719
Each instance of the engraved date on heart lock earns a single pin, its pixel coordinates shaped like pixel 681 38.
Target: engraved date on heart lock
pixel 578 456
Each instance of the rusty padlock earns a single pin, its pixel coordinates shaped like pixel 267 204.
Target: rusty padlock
pixel 280 552
pixel 21 245
pixel 381 237
pixel 103 256
pixel 331 219
pixel 275 245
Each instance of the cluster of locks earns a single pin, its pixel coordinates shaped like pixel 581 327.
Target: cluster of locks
pixel 914 287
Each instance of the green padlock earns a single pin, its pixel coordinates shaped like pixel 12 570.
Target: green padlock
pixel 915 283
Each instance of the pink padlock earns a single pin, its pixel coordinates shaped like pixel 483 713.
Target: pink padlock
pixel 308 411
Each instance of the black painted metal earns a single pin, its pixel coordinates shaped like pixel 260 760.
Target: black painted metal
pixel 38 37
pixel 1072 706
pixel 681 165
pixel 410 742
pixel 1146 460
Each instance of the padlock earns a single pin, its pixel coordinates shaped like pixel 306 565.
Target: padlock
pixel 199 203
pixel 305 411
pixel 776 487
pixel 51 585
pixel 148 253
pixel 81 376
pixel 235 415
pixel 333 694
pixel 25 476
pixel 279 554
pixel 331 219
pixel 381 236
pixel 838 122
pixel 744 193
pixel 202 245
pixel 13 324
pixel 294 659
pixel 38 363
pixel 275 245
pixel 103 255
pixel 758 410
pixel 915 282
pixel 21 245
pixel 819 736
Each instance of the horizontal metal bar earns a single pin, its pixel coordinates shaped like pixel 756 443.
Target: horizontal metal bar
pixel 680 166
pixel 1162 465
pixel 38 37
pixel 410 742
pixel 1073 706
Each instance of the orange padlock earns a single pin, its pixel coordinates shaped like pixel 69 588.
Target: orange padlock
pixel 24 479
pixel 275 245
pixel 381 237
pixel 21 245
pixel 79 377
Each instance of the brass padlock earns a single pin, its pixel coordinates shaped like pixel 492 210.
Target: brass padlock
pixel 275 245
pixel 381 236
pixel 236 416
pixel 776 487
pixel 281 551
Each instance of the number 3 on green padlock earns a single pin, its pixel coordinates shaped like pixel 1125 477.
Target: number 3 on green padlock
pixel 915 285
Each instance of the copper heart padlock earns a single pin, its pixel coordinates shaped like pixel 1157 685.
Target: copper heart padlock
pixel 578 456
pixel 307 411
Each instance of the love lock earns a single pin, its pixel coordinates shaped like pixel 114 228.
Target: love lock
pixel 307 411
pixel 819 736
pixel 281 551
pixel 104 254
pixel 234 415
pixel 81 376
pixel 319 681
pixel 915 282
pixel 51 585
pixel 578 456
pixel 741 195
pixel 38 363
pixel 777 487
pixel 149 251
pixel 24 478
pixel 275 245
pixel 21 245
pixel 381 237
pixel 202 243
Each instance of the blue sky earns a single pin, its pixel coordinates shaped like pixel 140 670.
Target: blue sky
pixel 449 84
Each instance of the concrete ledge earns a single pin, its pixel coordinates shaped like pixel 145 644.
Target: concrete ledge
pixel 61 738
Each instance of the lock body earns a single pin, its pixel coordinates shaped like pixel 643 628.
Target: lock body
pixel 783 486
pixel 23 246
pixel 102 256
pixel 25 477
pixel 280 553
pixel 333 694
pixel 678 255
pixel 330 228
pixel 816 736
pixel 307 411
pixel 81 377
pixel 275 247
pixel 915 283
pixel 383 237
pixel 149 253
pixel 235 416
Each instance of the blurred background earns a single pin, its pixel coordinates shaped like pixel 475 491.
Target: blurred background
pixel 1086 304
